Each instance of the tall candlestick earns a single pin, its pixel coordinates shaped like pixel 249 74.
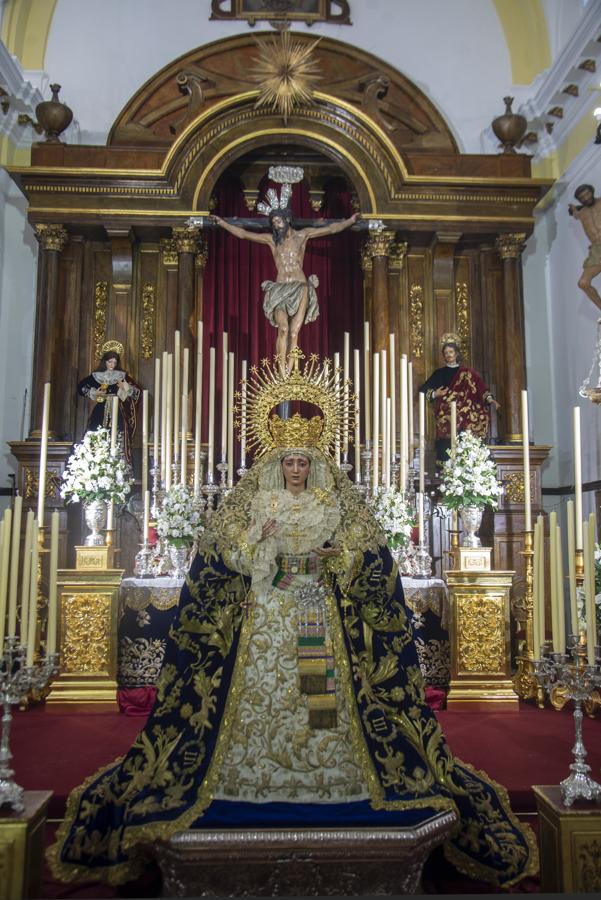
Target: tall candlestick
pixel 176 391
pixel 561 610
pixel 4 565
pixel 422 469
pixel 146 516
pixel 589 596
pixel 526 454
pixel 33 596
pixel 168 422
pixel 198 406
pixel 345 378
pixel 403 442
pixel 144 441
pixel 572 569
pixel 164 435
pixel 410 434
pixel 375 474
pixel 383 396
pixel 156 413
pixel 337 384
pixel 243 388
pixel 553 578
pixel 535 592
pixel 231 368
pixel 392 395
pixel 114 422
pixel 224 360
pixel 367 379
pixel 577 477
pixel 357 386
pixel 541 598
pixel 26 576
pixel 43 455
pixel 211 437
pixel 591 620
pixel 14 566
pixel 52 586
pixel 184 417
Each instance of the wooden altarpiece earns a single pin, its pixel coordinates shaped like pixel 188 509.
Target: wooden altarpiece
pixel 118 261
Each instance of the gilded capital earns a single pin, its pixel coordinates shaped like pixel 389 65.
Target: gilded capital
pixel 168 251
pixel 186 238
pixel 380 244
pixel 51 237
pixel 202 254
pixel 398 252
pixel 510 246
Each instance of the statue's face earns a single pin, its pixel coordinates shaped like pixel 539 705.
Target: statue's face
pixel 296 471
pixel 450 355
pixel 586 197
pixel 278 223
pixel 111 363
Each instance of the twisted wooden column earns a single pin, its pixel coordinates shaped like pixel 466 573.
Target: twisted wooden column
pixel 52 239
pixel 509 247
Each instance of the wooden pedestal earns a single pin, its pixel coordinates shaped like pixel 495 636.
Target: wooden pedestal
pixel 88 610
pixel 570 843
pixel 480 640
pixel 22 847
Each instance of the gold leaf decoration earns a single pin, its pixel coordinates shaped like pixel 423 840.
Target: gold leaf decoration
pixel 285 72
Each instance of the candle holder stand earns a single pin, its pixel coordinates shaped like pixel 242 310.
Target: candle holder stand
pixel 157 492
pixel 525 683
pixel 422 565
pixel 395 472
pixel 366 468
pixel 211 492
pixel 578 680
pixel 222 469
pixel 143 562
pixel 16 680
pixel 241 472
pixel 345 465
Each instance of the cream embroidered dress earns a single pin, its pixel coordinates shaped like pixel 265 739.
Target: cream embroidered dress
pixel 274 753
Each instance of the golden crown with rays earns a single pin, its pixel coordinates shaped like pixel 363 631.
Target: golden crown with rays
pixel 310 381
pixel 113 347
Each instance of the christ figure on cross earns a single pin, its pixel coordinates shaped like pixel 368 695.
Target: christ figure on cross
pixel 291 300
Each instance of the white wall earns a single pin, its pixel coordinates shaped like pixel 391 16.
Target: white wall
pixel 101 53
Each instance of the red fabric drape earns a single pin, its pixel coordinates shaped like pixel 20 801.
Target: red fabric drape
pixel 232 295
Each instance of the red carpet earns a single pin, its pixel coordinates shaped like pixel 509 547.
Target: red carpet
pixel 56 746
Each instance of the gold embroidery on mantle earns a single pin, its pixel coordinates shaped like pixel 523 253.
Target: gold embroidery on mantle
pixel 480 633
pixel 148 313
pixel 86 639
pixel 101 293
pixel 416 320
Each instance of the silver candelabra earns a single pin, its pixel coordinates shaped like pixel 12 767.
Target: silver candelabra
pixel 16 680
pixel 570 673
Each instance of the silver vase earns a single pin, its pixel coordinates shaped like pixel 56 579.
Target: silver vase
pixel 471 519
pixel 95 514
pixel 179 561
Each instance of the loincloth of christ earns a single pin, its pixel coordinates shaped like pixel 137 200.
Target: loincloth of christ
pixel 594 257
pixel 287 295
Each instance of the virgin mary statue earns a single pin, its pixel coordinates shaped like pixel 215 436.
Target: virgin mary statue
pixel 291 692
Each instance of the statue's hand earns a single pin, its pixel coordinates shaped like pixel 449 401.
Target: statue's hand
pixel 327 552
pixel 356 217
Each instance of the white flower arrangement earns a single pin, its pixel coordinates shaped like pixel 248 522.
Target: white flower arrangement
pixel 180 518
pixel 470 478
pixel 394 515
pixel 93 474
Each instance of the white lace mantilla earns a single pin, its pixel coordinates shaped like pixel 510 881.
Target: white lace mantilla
pixel 110 377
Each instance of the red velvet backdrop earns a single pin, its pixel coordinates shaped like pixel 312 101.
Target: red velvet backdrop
pixel 232 295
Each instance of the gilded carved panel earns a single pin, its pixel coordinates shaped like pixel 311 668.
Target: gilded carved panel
pixel 86 632
pixel 101 294
pixel 31 483
pixel 586 864
pixel 148 320
pixel 480 633
pixel 462 318
pixel 514 487
pixel 416 320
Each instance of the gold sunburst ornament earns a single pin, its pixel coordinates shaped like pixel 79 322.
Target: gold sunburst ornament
pixel 312 382
pixel 286 73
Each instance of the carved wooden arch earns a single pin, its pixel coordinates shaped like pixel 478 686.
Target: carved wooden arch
pixel 224 133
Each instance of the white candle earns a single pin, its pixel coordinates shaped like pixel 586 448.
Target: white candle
pixel 26 570
pixel 392 395
pixel 164 435
pixel 589 596
pixel 591 621
pixel 33 596
pixel 144 441
pixel 243 414
pixel 572 569
pixel 409 414
pixel 561 611
pixel 422 470
pixel 403 444
pixel 536 591
pixel 168 422
pixel 337 384
pixel 526 453
pixel 387 441
pixel 367 379
pixel 114 422
pixel 541 597
pixel 224 359
pixel 4 565
pixel 357 386
pixel 52 586
pixel 211 437
pixel 577 477
pixel 14 566
pixel 383 396
pixel 146 516
pixel 43 455
pixel 198 409
pixel 156 413
pixel 553 578
pixel 231 368
pixel 376 422
pixel 346 362
pixel 453 425
pixel 176 392
pixel 184 402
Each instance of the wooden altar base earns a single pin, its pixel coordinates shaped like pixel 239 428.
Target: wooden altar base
pixel 306 862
